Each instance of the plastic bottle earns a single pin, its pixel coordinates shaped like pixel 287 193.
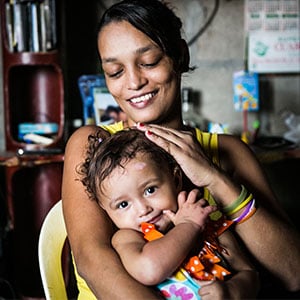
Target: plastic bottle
pixel 189 114
pixel 292 121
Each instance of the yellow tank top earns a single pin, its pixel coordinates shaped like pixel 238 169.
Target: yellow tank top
pixel 208 141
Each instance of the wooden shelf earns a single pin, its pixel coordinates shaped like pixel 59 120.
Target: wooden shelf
pixel 33 86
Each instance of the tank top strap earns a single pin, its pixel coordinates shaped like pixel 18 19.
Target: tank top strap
pixel 113 128
pixel 209 142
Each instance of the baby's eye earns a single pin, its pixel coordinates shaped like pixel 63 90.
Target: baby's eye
pixel 150 190
pixel 123 204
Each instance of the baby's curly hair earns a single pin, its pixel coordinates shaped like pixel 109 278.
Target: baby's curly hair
pixel 105 154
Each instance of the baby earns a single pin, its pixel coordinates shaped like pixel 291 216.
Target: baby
pixel 147 196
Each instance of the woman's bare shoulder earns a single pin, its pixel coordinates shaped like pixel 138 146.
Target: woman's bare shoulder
pixel 230 142
pixel 239 160
pixel 85 131
pixel 235 153
pixel 79 138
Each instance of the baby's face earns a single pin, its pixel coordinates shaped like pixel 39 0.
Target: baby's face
pixel 139 192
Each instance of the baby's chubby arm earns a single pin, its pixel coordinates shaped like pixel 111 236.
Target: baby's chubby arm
pixel 152 262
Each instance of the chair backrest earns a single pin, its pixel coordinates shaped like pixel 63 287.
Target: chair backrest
pixel 51 242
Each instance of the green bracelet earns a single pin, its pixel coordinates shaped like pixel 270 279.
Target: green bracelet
pixel 227 209
pixel 242 205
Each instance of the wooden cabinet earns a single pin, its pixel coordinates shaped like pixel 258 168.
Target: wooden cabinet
pixel 33 93
pixel 33 88
pixel 33 85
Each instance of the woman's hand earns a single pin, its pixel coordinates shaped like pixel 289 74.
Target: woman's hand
pixel 184 147
pixel 196 165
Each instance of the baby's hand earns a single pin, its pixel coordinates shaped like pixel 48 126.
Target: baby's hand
pixel 213 290
pixel 191 209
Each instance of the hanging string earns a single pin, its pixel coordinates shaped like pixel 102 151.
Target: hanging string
pixel 206 24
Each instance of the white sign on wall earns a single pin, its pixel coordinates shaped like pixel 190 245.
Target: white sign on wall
pixel 273 52
pixel 273 30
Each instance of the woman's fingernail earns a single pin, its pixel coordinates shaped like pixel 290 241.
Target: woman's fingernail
pixel 141 124
pixel 149 132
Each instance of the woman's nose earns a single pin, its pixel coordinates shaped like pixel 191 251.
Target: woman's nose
pixel 135 78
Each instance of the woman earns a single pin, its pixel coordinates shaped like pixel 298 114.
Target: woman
pixel 143 57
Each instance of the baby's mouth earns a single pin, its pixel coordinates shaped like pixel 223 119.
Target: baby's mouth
pixel 155 219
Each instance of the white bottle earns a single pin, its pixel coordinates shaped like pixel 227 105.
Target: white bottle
pixel 291 120
pixel 189 113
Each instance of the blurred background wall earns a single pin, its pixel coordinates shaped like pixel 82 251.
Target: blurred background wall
pixel 217 53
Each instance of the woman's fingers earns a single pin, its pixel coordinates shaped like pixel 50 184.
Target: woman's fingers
pixel 184 147
pixel 179 144
pixel 166 137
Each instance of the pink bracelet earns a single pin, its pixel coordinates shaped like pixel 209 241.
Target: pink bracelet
pixel 247 211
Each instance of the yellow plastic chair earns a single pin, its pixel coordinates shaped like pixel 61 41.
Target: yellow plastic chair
pixel 50 247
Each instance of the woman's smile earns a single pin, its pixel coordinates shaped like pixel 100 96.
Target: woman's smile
pixel 143 98
pixel 138 74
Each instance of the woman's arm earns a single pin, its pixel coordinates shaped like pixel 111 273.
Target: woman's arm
pixel 268 234
pixel 244 284
pixel 90 231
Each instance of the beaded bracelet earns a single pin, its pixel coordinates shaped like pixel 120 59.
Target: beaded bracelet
pixel 248 212
pixel 227 209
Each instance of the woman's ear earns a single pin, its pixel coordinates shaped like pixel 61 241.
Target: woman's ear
pixel 178 178
pixel 184 63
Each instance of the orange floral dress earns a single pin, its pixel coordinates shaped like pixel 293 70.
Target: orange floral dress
pixel 208 265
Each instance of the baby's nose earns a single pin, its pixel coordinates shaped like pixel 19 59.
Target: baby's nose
pixel 144 208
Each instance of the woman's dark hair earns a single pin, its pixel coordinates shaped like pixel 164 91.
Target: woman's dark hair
pixel 104 155
pixel 156 20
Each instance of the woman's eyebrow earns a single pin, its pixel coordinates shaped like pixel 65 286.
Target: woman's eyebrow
pixel 146 48
pixel 108 60
pixel 141 50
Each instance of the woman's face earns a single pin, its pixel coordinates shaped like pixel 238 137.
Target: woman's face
pixel 139 75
